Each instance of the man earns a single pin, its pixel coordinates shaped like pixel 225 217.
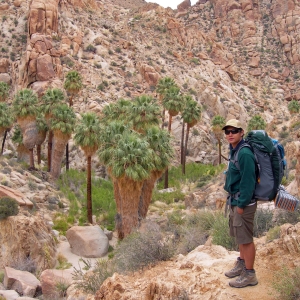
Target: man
pixel 240 185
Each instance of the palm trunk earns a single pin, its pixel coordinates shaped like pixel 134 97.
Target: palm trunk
pixel 40 140
pixel 23 153
pixel 219 143
pixel 38 152
pixel 163 119
pixel 89 190
pixel 182 143
pixel 31 165
pixel 59 144
pixel 166 185
pixel 130 192
pixel 146 195
pixel 3 142
pixel 67 157
pixel 50 139
pixel 185 148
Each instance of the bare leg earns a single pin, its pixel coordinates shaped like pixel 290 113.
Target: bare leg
pixel 247 252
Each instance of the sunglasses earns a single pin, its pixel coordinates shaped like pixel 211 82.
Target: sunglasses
pixel 233 131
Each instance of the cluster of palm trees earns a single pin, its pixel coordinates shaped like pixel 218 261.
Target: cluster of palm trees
pixel 128 138
pixel 176 102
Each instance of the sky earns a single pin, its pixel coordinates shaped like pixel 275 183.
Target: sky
pixel 170 3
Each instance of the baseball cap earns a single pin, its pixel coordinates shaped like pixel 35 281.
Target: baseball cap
pixel 233 123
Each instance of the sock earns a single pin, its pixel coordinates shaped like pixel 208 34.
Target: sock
pixel 240 258
pixel 251 270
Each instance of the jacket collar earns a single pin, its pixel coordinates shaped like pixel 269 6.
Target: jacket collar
pixel 241 142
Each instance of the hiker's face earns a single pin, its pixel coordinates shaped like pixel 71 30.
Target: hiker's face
pixel 233 135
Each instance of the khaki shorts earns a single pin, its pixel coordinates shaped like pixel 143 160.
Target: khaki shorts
pixel 241 226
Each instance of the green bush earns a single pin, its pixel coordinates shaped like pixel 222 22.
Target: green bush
pixel 90 282
pixel 287 283
pixel 73 186
pixel 1 276
pixel 273 233
pixel 220 232
pixel 8 207
pixel 141 249
pixel 262 222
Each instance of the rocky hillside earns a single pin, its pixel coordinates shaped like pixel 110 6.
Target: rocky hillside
pixel 237 58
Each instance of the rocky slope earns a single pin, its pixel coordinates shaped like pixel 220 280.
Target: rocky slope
pixel 237 59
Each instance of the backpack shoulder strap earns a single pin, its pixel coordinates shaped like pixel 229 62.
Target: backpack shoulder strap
pixel 235 160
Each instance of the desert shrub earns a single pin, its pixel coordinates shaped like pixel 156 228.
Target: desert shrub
pixel 62 262
pixel 189 237
pixel 283 216
pixel 8 207
pixel 24 264
pixel 220 232
pixel 287 283
pixel 262 221
pixel 141 249
pixel 91 281
pixel 273 233
pixel 1 276
pixel 61 287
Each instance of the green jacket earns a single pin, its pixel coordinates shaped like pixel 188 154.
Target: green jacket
pixel 241 183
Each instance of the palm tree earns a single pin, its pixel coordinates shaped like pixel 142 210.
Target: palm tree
pixel 42 132
pixel 129 160
pixel 62 124
pixel 17 138
pixel 163 85
pixel 5 122
pixel 116 111
pixel 218 123
pixel 25 110
pixel 256 123
pixel 294 107
pixel 191 115
pixel 143 113
pixel 174 103
pixel 4 91
pixel 86 136
pixel 160 142
pixel 73 84
pixel 51 99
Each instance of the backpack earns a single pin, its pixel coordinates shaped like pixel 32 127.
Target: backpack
pixel 270 163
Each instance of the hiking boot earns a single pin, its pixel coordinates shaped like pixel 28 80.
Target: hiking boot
pixel 245 279
pixel 237 269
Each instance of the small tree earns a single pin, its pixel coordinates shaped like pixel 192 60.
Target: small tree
pixel 50 100
pixel 191 115
pixel 25 109
pixel 218 123
pixel 294 107
pixel 8 207
pixel 6 121
pixel 4 91
pixel 256 123
pixel 73 84
pixel 62 124
pixel 87 133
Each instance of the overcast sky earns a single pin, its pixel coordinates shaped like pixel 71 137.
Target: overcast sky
pixel 170 3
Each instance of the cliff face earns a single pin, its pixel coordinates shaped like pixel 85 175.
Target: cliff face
pixel 237 58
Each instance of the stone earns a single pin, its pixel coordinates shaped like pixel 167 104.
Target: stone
pixel 5 77
pixel 87 241
pixel 4 65
pixel 9 294
pixel 22 282
pixel 49 280
pixel 184 5
pixel 44 68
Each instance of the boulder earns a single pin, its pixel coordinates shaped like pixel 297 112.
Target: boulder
pixel 184 5
pixel 49 280
pixel 4 65
pixel 22 282
pixel 87 241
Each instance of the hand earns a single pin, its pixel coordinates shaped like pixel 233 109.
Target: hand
pixel 240 210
